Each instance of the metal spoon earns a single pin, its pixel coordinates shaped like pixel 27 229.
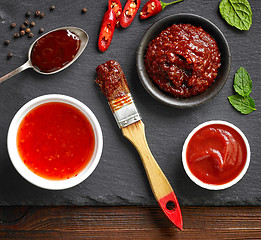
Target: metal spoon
pixel 78 31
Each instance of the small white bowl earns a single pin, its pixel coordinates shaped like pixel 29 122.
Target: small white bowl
pixel 28 174
pixel 214 186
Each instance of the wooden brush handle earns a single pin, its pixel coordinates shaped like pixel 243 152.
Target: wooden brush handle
pixel 160 185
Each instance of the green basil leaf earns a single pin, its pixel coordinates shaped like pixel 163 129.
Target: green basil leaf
pixel 252 102
pixel 237 13
pixel 244 105
pixel 242 82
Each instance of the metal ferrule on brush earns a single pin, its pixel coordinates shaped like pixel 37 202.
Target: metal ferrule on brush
pixel 124 110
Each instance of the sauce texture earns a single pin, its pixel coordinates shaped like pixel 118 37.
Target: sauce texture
pixel 55 141
pixel 112 80
pixel 54 50
pixel 216 154
pixel 183 60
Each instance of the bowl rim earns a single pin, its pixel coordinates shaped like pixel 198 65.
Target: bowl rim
pixel 18 163
pixel 148 84
pixel 214 186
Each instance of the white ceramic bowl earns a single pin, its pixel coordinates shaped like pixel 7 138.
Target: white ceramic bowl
pixel 28 174
pixel 214 186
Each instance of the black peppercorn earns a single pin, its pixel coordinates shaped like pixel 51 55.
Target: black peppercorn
pixel 7 42
pixel 41 30
pixel 84 10
pixel 26 22
pixel 52 7
pixel 28 14
pixel 30 35
pixel 37 13
pixel 42 15
pixel 13 25
pixel 9 55
pixel 16 35
pixel 23 27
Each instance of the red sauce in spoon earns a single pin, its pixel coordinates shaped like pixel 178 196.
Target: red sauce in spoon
pixel 54 50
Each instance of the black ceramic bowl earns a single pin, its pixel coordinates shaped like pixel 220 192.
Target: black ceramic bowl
pixel 223 72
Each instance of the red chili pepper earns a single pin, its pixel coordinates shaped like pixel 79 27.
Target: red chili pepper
pixel 154 7
pixel 129 12
pixel 117 8
pixel 107 30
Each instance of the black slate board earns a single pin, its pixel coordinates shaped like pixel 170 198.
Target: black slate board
pixel 120 178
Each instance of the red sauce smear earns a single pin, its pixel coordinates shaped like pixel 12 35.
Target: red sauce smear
pixel 112 80
pixel 55 141
pixel 183 60
pixel 54 50
pixel 216 154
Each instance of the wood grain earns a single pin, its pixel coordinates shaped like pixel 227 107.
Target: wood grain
pixel 135 133
pixel 130 223
pixel 159 184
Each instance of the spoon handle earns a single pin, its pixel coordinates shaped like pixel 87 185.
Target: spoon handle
pixel 16 71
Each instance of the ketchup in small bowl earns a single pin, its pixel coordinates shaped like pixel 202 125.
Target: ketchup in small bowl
pixel 54 141
pixel 216 155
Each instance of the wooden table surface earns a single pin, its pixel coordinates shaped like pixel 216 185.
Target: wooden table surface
pixel 132 222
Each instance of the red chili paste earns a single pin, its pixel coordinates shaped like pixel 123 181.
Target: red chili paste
pixel 216 154
pixel 55 141
pixel 183 60
pixel 112 80
pixel 54 50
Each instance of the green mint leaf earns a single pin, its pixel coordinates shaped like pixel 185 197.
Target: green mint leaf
pixel 242 82
pixel 244 105
pixel 252 102
pixel 237 13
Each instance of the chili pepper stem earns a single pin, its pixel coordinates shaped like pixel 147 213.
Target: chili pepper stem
pixel 163 5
